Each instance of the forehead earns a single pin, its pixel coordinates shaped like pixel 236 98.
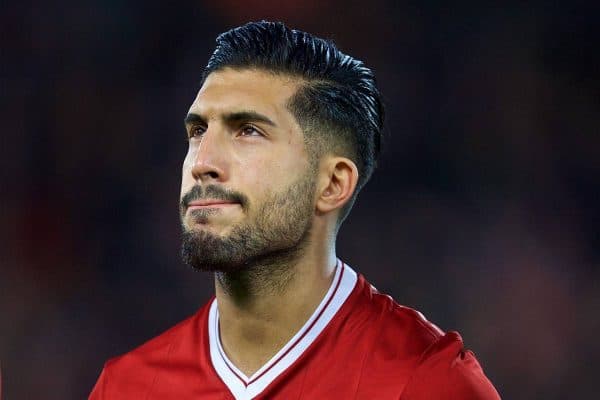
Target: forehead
pixel 230 90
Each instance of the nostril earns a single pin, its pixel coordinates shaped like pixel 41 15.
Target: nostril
pixel 206 172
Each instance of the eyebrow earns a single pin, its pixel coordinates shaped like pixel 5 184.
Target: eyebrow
pixel 246 115
pixel 250 116
pixel 192 118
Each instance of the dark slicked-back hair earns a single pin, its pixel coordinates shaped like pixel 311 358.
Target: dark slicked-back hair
pixel 337 105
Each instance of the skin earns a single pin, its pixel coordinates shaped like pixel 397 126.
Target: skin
pixel 257 158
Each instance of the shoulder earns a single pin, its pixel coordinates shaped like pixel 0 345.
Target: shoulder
pixel 395 326
pixel 136 369
pixel 429 363
pixel 447 370
pixel 164 344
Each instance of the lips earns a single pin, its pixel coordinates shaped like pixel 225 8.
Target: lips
pixel 209 203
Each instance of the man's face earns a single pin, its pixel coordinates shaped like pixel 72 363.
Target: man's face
pixel 247 189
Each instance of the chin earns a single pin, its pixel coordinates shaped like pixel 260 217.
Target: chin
pixel 205 250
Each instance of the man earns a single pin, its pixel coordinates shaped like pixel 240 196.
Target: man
pixel 283 133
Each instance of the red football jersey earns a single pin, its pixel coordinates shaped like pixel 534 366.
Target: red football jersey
pixel 358 344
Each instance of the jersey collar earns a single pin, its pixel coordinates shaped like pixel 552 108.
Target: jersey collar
pixel 243 387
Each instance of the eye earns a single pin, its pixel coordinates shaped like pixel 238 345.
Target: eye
pixel 249 130
pixel 196 131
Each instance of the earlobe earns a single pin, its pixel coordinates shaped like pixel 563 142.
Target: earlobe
pixel 340 177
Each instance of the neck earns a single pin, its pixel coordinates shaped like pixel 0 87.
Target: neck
pixel 263 305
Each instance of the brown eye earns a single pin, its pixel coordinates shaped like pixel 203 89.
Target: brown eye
pixel 249 130
pixel 197 131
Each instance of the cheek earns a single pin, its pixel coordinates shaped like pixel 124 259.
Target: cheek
pixel 187 181
pixel 189 158
pixel 254 177
pixel 265 178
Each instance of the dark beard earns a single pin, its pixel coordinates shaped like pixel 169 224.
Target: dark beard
pixel 277 238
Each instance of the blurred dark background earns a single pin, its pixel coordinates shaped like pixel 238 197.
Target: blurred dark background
pixel 484 213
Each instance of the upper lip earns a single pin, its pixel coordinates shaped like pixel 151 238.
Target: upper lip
pixel 208 202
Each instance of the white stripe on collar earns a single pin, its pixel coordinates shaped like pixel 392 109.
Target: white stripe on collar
pixel 246 388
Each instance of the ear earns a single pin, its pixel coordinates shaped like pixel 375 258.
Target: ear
pixel 337 181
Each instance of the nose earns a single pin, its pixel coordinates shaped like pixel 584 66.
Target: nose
pixel 209 163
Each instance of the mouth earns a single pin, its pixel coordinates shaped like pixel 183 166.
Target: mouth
pixel 209 203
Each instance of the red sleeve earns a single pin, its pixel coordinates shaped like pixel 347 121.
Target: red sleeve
pixel 449 372
pixel 99 390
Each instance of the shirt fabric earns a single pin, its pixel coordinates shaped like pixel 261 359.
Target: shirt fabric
pixel 358 344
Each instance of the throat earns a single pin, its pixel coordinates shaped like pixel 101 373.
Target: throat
pixel 261 278
pixel 254 348
pixel 253 326
pixel 258 318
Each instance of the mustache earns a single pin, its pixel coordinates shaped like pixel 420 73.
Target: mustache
pixel 213 192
